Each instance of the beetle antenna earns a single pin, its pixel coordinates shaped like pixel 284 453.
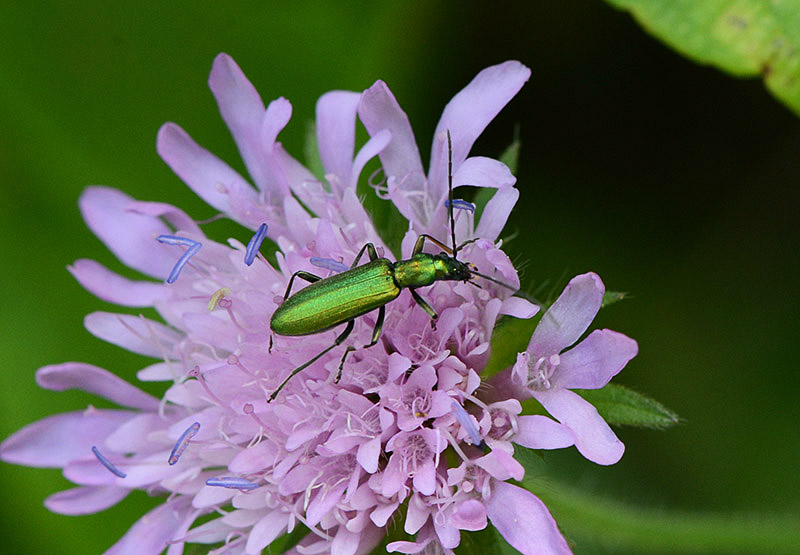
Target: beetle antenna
pixel 450 193
pixel 497 281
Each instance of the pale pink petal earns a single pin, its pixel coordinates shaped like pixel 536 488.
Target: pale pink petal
pixel 595 360
pixel 496 212
pixel 113 288
pixel 203 172
pixel 254 459
pixel 151 533
pixel 85 500
pixel 470 111
pixel 469 515
pixel 134 333
pixel 373 147
pixel 480 171
pixel 519 308
pixel 266 530
pixel 336 131
pixel 176 217
pixel 379 110
pixel 243 111
pixel 524 521
pixel 345 542
pixel 368 454
pixel 130 236
pixel 593 437
pixel 568 317
pixel 92 379
pixel 56 440
pixel 539 432
pixel 501 465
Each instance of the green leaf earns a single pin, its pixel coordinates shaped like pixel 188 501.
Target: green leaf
pixel 745 38
pixel 597 524
pixel 611 297
pixel 619 405
pixel 311 152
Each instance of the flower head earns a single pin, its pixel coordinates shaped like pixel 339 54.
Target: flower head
pixel 337 456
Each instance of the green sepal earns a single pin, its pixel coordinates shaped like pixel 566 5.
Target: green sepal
pixel 611 297
pixel 621 406
pixel 510 156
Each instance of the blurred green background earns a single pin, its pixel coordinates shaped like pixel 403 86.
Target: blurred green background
pixel 673 181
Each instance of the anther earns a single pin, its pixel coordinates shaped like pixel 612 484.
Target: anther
pixel 183 442
pixel 107 463
pixel 254 244
pixel 218 295
pixel 193 245
pixel 328 264
pixel 231 482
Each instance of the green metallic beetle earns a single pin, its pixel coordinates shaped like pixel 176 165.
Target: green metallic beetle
pixel 341 298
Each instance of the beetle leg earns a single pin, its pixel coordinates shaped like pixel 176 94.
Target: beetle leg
pixel 309 277
pixel 370 248
pixel 336 342
pixel 425 306
pixel 376 334
pixel 420 244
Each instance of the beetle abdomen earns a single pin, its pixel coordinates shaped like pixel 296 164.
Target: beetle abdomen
pixel 336 299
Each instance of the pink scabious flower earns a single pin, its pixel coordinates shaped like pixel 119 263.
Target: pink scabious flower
pixel 547 374
pixel 337 457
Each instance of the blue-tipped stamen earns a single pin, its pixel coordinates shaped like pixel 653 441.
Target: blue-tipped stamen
pixel 193 245
pixel 255 244
pixel 183 442
pixel 329 264
pixel 460 204
pixel 107 463
pixel 231 482
pixel 466 422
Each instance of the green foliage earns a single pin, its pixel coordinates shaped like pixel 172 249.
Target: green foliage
pixel 620 406
pixel 745 38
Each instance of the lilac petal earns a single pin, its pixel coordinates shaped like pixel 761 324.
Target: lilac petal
pixel 368 454
pixel 540 432
pixel 480 171
pixel 519 308
pixel 495 214
pixel 345 542
pixel 130 236
pixel 501 465
pixel 470 515
pixel 85 500
pixel 470 111
pixel 593 437
pixel 524 521
pixel 56 440
pixel 266 530
pixel 113 288
pixel 254 459
pixel 77 375
pixel 424 478
pixel 204 173
pixel 134 333
pixel 336 131
pixel 379 110
pixel 568 317
pixel 151 533
pixel 176 217
pixel 595 360
pixel 243 111
pixel 372 148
